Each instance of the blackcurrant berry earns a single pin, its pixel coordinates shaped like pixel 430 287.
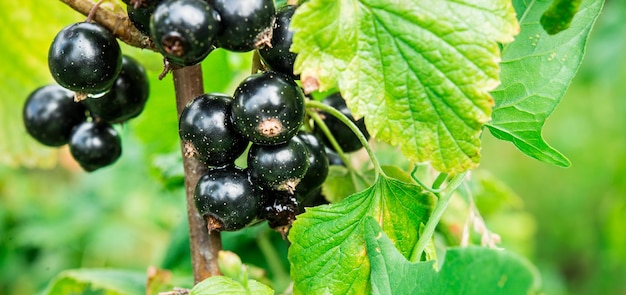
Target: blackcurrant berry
pixel 206 126
pixel 227 198
pixel 278 57
pixel 346 139
pixel 184 30
pixel 278 167
pixel 333 157
pixel 140 16
pixel 279 209
pixel 268 108
pixel 127 97
pixel 85 57
pixel 318 164
pixel 95 145
pixel 246 24
pixel 50 113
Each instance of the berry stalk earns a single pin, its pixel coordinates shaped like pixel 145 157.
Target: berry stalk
pixel 204 245
pixel 118 24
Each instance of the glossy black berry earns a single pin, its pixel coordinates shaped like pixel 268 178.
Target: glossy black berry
pixel 346 139
pixel 318 164
pixel 140 15
pixel 95 145
pixel 268 108
pixel 50 113
pixel 127 97
pixel 184 30
pixel 278 57
pixel 278 167
pixel 279 209
pixel 246 24
pixel 314 198
pixel 85 57
pixel 206 128
pixel 227 198
pixel 333 157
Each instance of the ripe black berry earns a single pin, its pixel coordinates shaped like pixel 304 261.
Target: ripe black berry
pixel 318 164
pixel 279 209
pixel 127 97
pixel 246 24
pixel 184 30
pixel 206 126
pixel 50 113
pixel 226 196
pixel 140 15
pixel 346 139
pixel 95 145
pixel 85 57
pixel 278 57
pixel 268 108
pixel 278 167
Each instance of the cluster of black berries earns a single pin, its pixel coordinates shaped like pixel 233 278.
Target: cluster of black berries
pixel 97 86
pixel 286 166
pixel 186 31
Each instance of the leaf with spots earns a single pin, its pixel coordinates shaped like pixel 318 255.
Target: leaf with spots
pixel 536 71
pixel 419 71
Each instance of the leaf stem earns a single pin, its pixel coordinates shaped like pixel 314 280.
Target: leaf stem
pixel 333 142
pixel 345 120
pixel 435 217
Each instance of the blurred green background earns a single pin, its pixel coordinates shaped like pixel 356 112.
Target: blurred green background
pixel 131 215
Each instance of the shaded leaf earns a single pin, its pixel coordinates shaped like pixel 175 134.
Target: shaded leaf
pixel 468 271
pixel 536 71
pixel 559 16
pixel 98 281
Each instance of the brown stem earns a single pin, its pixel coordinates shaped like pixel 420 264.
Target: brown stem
pixel 118 24
pixel 204 245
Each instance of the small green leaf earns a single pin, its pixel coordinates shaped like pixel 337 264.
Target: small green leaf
pixel 98 281
pixel 342 182
pixel 419 71
pixel 468 271
pixel 220 285
pixel 559 16
pixel 536 71
pixel 328 254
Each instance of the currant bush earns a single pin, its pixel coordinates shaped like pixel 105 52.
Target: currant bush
pixel 245 24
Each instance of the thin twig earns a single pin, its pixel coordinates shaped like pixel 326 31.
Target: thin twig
pixel 118 24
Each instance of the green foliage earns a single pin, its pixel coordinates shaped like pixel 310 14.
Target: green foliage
pixel 328 253
pixel 419 72
pixel 536 71
pixel 471 270
pixel 559 15
pixel 220 285
pixel 98 281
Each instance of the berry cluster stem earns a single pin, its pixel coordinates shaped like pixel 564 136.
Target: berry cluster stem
pixel 442 203
pixel 118 24
pixel 204 245
pixel 345 120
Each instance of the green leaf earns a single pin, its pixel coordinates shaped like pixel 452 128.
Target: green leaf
pixel 98 281
pixel 468 271
pixel 536 70
pixel 342 182
pixel 220 285
pixel 328 254
pixel 419 71
pixel 559 16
